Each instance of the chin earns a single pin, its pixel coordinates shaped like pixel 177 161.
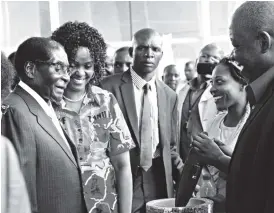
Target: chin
pixel 221 107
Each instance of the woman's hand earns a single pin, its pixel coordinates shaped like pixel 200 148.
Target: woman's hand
pixel 207 150
pixel 226 150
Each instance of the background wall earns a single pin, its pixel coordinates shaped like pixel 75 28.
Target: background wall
pixel 188 25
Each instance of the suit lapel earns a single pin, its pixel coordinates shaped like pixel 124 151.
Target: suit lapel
pixel 161 98
pixel 45 121
pixel 129 103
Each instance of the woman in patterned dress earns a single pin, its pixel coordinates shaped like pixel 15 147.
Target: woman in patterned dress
pixel 93 120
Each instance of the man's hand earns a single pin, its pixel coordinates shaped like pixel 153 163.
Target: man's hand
pixel 207 151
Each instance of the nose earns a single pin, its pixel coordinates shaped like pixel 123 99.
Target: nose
pixel 173 77
pixel 124 67
pixel 213 90
pixel 66 77
pixel 149 52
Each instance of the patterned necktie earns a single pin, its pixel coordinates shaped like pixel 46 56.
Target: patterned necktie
pixel 146 131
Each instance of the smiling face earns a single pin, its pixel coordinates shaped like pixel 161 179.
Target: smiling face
pixel 225 89
pixel 51 78
pixel 147 53
pixel 82 70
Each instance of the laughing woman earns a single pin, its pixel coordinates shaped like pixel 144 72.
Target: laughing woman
pixel 215 147
pixel 93 120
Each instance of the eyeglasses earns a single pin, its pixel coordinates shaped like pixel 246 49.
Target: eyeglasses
pixel 58 66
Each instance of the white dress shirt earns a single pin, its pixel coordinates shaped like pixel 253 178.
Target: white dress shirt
pixel 138 84
pixel 47 108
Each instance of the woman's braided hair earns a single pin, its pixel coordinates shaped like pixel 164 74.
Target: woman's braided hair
pixel 73 35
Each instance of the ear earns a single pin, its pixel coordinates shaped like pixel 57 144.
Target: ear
pixel 162 54
pixel 265 41
pixel 130 51
pixel 29 69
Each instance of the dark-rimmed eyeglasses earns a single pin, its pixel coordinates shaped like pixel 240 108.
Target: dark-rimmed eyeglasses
pixel 58 66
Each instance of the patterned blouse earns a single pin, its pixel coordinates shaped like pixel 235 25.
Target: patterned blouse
pixel 98 131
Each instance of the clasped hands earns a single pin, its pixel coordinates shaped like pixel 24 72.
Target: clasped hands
pixel 209 150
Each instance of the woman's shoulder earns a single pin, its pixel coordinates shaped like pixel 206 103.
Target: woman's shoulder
pixel 98 90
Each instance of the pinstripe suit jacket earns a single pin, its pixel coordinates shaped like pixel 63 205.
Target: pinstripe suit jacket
pixel 50 169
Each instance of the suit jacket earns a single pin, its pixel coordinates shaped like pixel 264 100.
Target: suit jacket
pixel 121 86
pixel 207 108
pixel 50 169
pixel 250 181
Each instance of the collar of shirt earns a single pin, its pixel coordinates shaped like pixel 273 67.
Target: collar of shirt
pixel 45 106
pixel 194 82
pixel 257 88
pixel 140 82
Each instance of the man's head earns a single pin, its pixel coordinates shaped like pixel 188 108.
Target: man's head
pixel 190 71
pixel 122 60
pixel 209 55
pixel 109 62
pixel 171 76
pixel 7 76
pixel 146 51
pixel 252 35
pixel 42 64
pixel 12 57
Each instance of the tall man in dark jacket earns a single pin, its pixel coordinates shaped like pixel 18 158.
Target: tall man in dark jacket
pixel 150 109
pixel 250 185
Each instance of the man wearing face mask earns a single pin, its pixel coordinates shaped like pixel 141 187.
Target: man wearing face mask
pixel 196 105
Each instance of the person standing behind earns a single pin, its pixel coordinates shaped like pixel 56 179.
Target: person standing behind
pixel 48 159
pixel 171 76
pixel 152 126
pixel 93 120
pixel 122 60
pixel 251 172
pixel 190 71
pixel 196 105
pixel 14 195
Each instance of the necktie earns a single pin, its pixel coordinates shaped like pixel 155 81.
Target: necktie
pixel 146 131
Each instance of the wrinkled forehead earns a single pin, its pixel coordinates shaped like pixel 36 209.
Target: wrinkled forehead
pixel 148 40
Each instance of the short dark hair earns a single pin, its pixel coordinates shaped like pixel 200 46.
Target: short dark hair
pixel 122 49
pixel 73 35
pixel 34 48
pixel 171 66
pixel 255 16
pixel 7 76
pixel 189 62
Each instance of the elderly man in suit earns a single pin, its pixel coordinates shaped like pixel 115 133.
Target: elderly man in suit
pixel 150 109
pixel 48 158
pixel 251 172
pixel 196 105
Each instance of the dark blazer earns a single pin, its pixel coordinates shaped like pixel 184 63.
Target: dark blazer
pixel 121 86
pixel 250 182
pixel 50 169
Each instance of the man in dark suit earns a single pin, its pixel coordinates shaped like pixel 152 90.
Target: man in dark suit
pixel 48 158
pixel 250 185
pixel 150 109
